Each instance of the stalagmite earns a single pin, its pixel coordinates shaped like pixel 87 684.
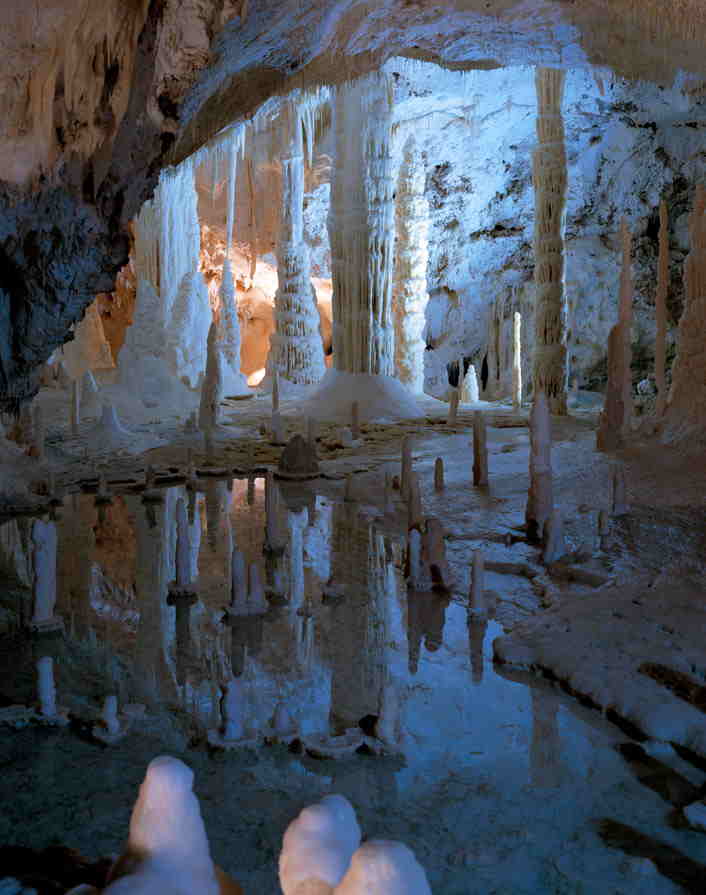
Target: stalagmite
pixel 553 538
pixel 469 389
pixel 517 361
pixel 549 177
pixel 661 311
pixel 355 421
pixel 406 470
pixel 228 337
pixel 44 556
pixel 614 425
pixel 277 429
pixel 453 406
pixel 686 410
pixel 540 499
pixel 439 474
pixel 183 548
pixel 167 840
pixel 275 392
pixel 476 596
pixel 382 867
pixel 311 432
pixel 318 846
pixel 296 347
pixel 212 386
pixel 480 450
pixel 75 406
pixel 348 495
pixel 409 295
pixel 603 523
pixel 415 513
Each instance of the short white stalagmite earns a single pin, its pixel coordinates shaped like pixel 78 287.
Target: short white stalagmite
pixel 540 498
pixel 550 180
pixel 661 311
pixel 480 450
pixel 296 347
pixel 439 474
pixel 615 419
pixel 476 596
pixel 469 390
pixel 410 296
pixel 318 846
pixel 212 386
pixel 517 361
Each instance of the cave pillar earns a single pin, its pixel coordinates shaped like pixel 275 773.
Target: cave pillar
pixel 410 296
pixel 362 228
pixel 296 348
pixel 550 180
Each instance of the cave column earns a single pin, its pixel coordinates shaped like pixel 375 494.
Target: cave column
pixel 361 228
pixel 296 348
pixel 410 296
pixel 550 180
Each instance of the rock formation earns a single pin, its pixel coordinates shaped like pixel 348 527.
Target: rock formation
pixel 212 386
pixel 661 311
pixel 616 417
pixel 409 296
pixel 549 172
pixel 540 498
pixel 296 348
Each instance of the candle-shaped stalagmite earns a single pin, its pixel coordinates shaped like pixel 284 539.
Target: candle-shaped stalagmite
pixel 469 390
pixel 540 499
pixel 476 596
pixel 439 474
pixel 453 406
pixel 406 469
pixel 661 310
pixel 517 361
pixel 480 450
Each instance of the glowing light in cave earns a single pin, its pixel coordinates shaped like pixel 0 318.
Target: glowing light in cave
pixel 256 377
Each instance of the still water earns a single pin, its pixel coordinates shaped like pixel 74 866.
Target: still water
pixel 498 782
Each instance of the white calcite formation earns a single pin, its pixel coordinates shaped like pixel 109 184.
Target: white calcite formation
pixel 550 179
pixel 318 846
pixel 517 360
pixel 381 867
pixel 296 348
pixel 167 850
pixel 469 388
pixel 44 544
pixel 614 425
pixel 187 332
pixel 410 296
pixel 213 383
pixel 540 498
pixel 228 336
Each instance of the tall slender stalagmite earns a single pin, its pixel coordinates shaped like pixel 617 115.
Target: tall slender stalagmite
pixel 296 348
pixel 661 310
pixel 517 360
pixel 617 412
pixel 410 296
pixel 549 174
pixel 362 227
pixel 687 398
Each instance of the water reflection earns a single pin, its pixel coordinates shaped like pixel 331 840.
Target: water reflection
pixel 237 614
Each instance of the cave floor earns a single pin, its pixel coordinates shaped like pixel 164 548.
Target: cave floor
pixel 562 769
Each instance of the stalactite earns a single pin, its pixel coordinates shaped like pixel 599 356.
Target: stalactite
pixel 661 311
pixel 550 178
pixel 296 348
pixel 410 296
pixel 617 413
pixel 361 227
